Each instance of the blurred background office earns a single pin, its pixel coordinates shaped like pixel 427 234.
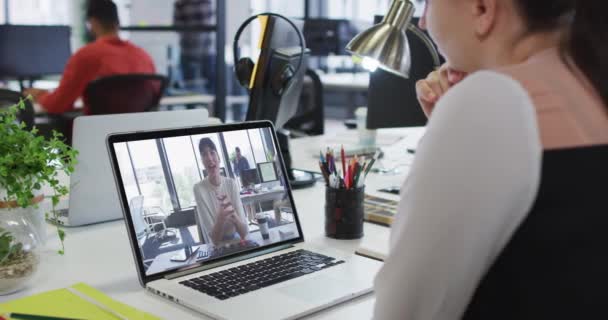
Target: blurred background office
pixel 190 42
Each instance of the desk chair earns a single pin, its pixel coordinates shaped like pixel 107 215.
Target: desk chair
pixel 309 119
pixel 9 98
pixel 555 264
pixel 149 222
pixel 124 93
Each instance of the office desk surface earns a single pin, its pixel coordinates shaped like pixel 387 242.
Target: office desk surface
pixel 100 255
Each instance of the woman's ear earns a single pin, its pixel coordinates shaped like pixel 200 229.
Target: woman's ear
pixel 484 15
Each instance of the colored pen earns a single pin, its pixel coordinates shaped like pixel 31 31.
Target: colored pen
pixel 343 161
pixel 22 316
pixel 324 172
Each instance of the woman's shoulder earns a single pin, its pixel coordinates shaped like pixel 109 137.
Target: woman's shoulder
pixel 485 93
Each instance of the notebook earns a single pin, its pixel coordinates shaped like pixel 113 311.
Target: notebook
pixel 63 303
pixel 374 246
pixel 379 210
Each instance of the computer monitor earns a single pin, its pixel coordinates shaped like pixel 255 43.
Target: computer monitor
pixel 28 52
pixel 250 177
pixel 388 92
pixel 328 36
pixel 279 47
pixel 267 172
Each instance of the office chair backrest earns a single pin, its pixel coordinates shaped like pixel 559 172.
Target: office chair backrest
pixel 309 118
pixel 555 265
pixel 9 98
pixel 124 93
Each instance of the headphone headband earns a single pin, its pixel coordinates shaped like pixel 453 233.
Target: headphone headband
pixel 237 36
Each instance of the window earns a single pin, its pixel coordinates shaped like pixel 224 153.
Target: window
pixel 41 12
pixel 150 175
pixel 126 170
pixel 2 8
pixel 258 146
pixel 239 139
pixel 184 169
pixel 287 8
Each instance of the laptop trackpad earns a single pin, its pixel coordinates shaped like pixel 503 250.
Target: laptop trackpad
pixel 318 289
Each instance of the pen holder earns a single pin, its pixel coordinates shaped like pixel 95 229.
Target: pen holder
pixel 344 213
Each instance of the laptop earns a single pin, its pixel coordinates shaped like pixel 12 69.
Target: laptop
pixel 93 196
pixel 263 271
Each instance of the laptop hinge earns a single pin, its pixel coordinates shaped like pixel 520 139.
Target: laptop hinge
pixel 225 262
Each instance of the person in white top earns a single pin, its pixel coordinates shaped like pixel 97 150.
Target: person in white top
pixel 218 202
pixel 477 169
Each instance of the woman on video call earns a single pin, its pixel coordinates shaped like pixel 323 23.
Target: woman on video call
pixel 522 76
pixel 218 203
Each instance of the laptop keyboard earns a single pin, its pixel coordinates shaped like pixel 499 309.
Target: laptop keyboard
pixel 256 275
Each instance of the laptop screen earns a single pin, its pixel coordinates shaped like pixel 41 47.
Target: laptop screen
pixel 192 196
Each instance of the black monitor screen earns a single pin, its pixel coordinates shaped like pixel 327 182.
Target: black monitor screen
pixel 250 177
pixel 328 36
pixel 33 51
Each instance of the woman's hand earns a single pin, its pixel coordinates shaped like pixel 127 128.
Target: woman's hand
pixel 436 84
pixel 226 209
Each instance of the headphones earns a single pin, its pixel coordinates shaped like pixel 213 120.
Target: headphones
pixel 244 67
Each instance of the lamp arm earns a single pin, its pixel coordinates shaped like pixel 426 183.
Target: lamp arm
pixel 427 42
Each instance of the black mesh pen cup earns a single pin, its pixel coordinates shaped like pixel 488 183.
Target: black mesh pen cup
pixel 344 213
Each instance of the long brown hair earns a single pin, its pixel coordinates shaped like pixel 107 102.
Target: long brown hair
pixel 586 41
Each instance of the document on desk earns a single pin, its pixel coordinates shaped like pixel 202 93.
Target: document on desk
pixel 63 303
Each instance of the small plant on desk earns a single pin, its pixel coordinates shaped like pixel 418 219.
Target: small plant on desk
pixel 29 161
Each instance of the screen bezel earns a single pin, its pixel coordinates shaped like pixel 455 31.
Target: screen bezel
pixel 168 133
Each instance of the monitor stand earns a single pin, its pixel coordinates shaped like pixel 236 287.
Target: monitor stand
pixel 298 179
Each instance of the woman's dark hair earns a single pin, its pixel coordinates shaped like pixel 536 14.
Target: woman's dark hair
pixel 104 11
pixel 206 143
pixel 586 42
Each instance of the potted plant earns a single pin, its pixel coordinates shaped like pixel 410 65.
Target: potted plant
pixel 28 162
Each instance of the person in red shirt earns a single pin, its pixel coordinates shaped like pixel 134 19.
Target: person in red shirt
pixel 107 55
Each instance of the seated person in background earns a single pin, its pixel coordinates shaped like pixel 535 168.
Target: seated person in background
pixel 218 203
pixel 108 55
pixel 240 162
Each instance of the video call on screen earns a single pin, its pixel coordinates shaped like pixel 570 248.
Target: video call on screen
pixel 202 197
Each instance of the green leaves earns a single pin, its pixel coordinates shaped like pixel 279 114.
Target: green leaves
pixel 8 249
pixel 28 161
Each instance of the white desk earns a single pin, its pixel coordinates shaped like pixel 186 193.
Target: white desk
pixel 100 255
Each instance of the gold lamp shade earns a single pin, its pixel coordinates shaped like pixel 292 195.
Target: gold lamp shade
pixel 387 42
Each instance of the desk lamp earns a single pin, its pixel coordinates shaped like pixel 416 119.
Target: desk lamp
pixel 385 45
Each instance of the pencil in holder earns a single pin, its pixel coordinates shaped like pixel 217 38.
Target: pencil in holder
pixel 344 213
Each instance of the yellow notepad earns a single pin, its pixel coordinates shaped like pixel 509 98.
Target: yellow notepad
pixel 63 303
